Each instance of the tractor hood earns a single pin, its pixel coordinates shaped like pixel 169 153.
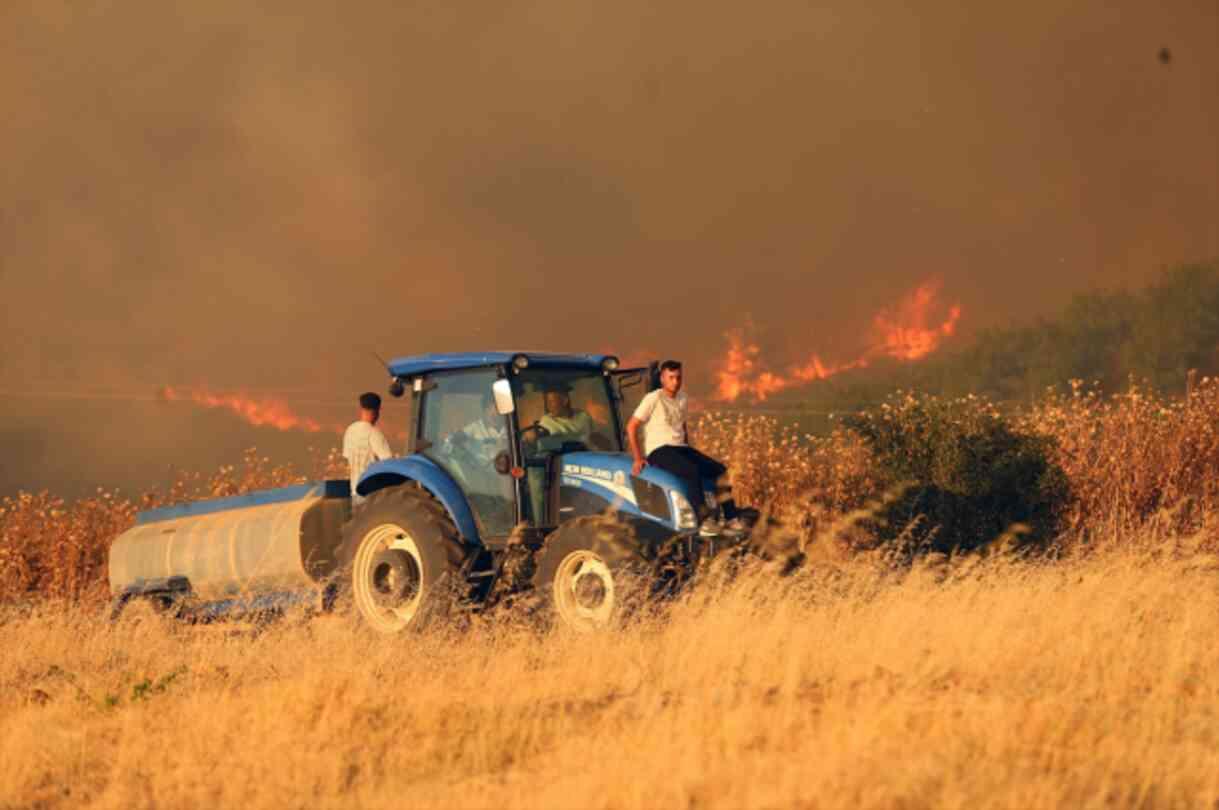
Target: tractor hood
pixel 592 481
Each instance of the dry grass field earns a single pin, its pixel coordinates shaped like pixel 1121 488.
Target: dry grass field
pixel 994 683
pixel 1083 677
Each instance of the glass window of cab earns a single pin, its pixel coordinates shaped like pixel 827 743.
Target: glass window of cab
pixel 572 404
pixel 464 434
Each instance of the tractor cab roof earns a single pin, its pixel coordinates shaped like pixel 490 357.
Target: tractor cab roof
pixel 450 361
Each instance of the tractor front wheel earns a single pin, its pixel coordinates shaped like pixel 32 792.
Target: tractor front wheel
pixel 587 572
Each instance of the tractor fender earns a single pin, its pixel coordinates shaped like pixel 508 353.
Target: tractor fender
pixel 432 477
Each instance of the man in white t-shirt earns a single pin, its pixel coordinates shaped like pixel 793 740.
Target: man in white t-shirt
pixel 363 442
pixel 666 438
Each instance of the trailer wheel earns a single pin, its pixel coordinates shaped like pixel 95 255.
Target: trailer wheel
pixel 402 555
pixel 588 572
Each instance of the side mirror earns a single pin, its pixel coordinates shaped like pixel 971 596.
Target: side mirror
pixel 504 403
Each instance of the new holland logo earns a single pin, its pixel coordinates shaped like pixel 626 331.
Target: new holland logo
pixel 613 482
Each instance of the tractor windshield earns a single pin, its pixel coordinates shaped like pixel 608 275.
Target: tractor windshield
pixel 573 405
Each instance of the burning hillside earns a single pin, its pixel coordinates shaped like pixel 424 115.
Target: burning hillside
pixel 906 331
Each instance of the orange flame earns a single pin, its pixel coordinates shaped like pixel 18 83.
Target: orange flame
pixel 256 411
pixel 904 332
pixel 743 373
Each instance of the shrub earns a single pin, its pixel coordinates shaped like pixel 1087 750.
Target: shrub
pixel 797 476
pixel 968 476
pixel 1133 459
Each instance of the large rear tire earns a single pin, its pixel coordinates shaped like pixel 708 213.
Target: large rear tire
pixel 588 573
pixel 402 557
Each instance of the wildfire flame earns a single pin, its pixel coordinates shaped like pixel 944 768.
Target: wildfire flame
pixel 254 410
pixel 904 332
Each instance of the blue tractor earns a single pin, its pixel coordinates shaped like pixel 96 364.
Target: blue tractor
pixel 507 451
pixel 514 480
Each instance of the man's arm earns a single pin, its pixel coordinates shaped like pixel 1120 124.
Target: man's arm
pixel 642 414
pixel 632 437
pixel 347 445
pixel 379 446
pixel 586 426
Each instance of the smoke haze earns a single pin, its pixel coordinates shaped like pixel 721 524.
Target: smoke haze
pixel 255 199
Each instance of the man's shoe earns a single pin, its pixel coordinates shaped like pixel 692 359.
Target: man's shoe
pixel 710 527
pixel 735 528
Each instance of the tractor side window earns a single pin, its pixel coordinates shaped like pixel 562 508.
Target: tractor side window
pixel 631 386
pixel 465 434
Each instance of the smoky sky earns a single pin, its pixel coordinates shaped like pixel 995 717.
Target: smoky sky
pixel 259 198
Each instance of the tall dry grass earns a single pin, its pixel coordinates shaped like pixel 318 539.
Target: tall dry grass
pixel 973 682
pixel 1135 459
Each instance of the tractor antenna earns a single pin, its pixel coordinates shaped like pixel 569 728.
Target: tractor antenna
pixel 396 387
pixel 381 361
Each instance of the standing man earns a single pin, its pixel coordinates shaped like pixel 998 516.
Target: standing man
pixel 667 444
pixel 364 442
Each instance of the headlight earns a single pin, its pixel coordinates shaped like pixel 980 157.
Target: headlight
pixel 609 363
pixel 520 362
pixel 684 512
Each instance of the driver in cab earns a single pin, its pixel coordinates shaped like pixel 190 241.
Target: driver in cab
pixel 561 423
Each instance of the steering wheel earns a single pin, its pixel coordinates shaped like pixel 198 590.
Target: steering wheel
pixel 537 429
pixel 535 456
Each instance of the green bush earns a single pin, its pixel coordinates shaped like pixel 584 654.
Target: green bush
pixel 966 476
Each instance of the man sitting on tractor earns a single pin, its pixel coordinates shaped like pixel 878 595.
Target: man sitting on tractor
pixel 667 442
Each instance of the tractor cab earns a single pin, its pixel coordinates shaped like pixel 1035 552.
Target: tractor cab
pixel 499 425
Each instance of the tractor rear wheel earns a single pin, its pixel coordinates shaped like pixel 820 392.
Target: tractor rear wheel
pixel 402 556
pixel 588 571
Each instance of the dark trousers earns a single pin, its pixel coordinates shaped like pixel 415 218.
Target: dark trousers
pixel 692 467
